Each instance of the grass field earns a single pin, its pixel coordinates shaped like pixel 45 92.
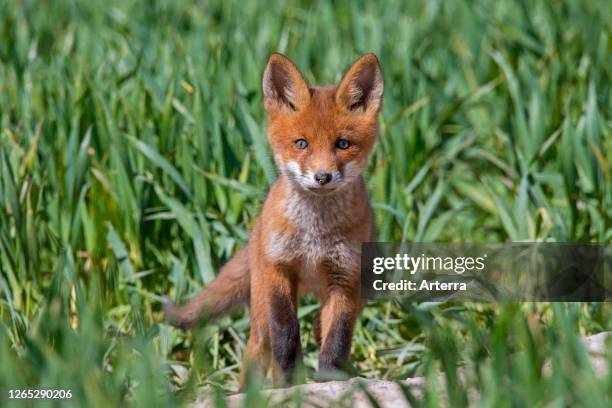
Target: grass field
pixel 133 162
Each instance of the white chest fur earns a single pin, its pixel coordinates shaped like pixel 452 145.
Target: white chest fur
pixel 319 236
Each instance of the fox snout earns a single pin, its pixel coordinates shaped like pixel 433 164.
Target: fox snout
pixel 324 180
pixel 323 177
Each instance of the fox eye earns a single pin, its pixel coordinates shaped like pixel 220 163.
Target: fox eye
pixel 343 144
pixel 301 144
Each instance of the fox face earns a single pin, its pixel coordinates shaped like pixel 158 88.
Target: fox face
pixel 321 136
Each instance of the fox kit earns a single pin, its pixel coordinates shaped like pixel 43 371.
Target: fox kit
pixel 309 234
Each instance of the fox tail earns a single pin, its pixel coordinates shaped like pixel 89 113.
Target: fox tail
pixel 228 291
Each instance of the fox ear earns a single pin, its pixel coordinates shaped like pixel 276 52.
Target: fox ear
pixel 361 88
pixel 283 85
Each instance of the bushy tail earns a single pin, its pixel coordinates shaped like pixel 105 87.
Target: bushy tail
pixel 229 290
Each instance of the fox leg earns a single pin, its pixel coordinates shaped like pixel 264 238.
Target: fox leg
pixel 274 340
pixel 257 358
pixel 258 355
pixel 281 297
pixel 316 327
pixel 339 313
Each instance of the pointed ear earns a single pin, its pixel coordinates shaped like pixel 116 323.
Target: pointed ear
pixel 283 85
pixel 361 88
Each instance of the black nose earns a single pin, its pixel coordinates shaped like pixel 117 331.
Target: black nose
pixel 322 177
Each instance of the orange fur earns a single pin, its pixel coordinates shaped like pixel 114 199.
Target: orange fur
pixel 309 233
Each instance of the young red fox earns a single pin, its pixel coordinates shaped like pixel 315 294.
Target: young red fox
pixel 309 234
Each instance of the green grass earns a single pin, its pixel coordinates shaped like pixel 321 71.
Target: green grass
pixel 133 162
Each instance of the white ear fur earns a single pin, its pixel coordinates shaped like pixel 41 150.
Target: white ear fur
pixel 362 86
pixel 283 85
